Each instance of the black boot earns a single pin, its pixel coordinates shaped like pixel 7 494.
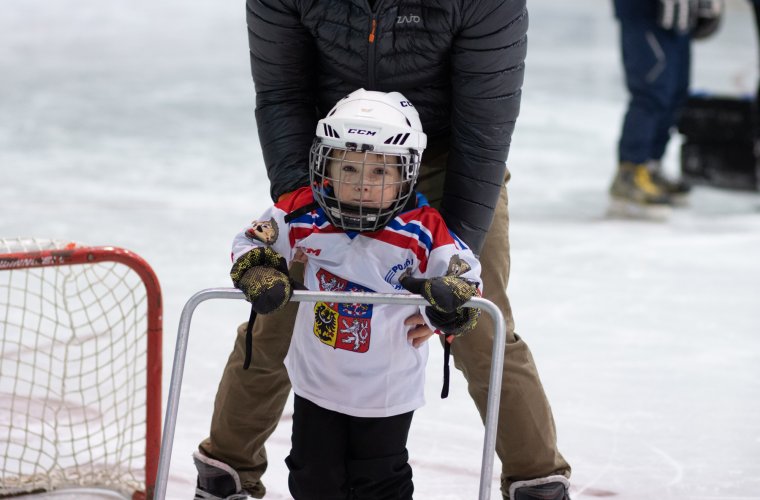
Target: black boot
pixel 678 189
pixel 216 480
pixel 545 488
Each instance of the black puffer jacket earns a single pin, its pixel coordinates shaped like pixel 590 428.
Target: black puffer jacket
pixel 460 62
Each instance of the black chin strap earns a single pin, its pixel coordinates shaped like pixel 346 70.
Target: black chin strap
pixel 300 211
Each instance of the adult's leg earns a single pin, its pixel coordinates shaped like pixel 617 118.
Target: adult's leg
pixel 526 439
pixel 674 85
pixel 249 402
pixel 645 65
pixel 378 464
pixel 317 460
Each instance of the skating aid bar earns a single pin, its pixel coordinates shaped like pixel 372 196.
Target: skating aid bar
pixel 494 388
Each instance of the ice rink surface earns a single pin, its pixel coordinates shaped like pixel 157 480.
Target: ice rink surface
pixel 130 123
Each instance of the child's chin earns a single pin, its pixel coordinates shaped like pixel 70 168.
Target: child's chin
pixel 365 205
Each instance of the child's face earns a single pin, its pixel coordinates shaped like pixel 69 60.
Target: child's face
pixel 362 179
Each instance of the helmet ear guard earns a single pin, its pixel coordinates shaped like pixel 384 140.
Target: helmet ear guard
pixel 364 132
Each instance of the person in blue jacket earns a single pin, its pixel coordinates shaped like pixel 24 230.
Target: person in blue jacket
pixel 655 37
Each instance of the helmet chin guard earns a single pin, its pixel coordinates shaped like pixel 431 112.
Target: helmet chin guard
pixel 365 159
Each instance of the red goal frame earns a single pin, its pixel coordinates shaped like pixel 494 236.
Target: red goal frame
pixel 72 255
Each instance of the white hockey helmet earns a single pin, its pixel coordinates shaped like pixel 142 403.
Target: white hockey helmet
pixel 365 134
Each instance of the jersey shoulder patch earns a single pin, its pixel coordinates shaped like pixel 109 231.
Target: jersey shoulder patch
pixel 265 231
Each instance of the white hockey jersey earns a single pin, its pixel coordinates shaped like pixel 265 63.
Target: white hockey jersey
pixel 355 358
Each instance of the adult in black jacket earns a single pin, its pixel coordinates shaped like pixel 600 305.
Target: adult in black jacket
pixel 461 63
pixel 756 6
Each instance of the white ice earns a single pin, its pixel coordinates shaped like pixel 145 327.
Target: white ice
pixel 130 123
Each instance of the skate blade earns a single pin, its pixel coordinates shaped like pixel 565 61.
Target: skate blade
pixel 626 209
pixel 680 200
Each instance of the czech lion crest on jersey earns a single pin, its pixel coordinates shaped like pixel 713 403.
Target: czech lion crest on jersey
pixel 342 325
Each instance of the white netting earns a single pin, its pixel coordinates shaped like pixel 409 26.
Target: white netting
pixel 73 378
pixel 15 245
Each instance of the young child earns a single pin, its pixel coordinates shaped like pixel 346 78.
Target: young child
pixel 360 227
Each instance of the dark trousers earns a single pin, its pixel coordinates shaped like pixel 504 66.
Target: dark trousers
pixel 657 66
pixel 339 457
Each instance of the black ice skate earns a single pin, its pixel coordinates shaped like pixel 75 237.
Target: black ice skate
pixel 216 480
pixel 678 189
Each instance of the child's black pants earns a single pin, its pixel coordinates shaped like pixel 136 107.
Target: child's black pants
pixel 339 457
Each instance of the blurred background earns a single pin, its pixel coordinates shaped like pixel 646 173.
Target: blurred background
pixel 131 123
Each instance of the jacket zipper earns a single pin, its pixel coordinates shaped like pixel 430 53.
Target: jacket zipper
pixel 372 31
pixel 371 38
pixel 371 54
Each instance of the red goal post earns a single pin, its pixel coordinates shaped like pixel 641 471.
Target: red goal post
pixel 80 369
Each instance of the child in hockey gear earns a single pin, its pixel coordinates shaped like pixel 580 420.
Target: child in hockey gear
pixel 357 378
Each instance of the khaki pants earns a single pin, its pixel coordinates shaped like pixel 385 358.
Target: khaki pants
pixel 249 403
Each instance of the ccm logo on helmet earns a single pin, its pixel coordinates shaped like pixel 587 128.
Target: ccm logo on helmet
pixel 361 131
pixel 406 104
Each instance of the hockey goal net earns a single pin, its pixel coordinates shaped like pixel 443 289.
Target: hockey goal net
pixel 80 369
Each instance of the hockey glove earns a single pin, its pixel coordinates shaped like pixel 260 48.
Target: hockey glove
pixel 677 15
pixel 446 295
pixel 455 323
pixel 699 18
pixel 262 275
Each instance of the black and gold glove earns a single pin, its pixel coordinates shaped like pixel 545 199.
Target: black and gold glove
pixel 446 295
pixel 262 275
pixel 455 323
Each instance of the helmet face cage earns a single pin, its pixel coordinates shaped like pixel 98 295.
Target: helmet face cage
pixel 358 188
pixel 365 159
